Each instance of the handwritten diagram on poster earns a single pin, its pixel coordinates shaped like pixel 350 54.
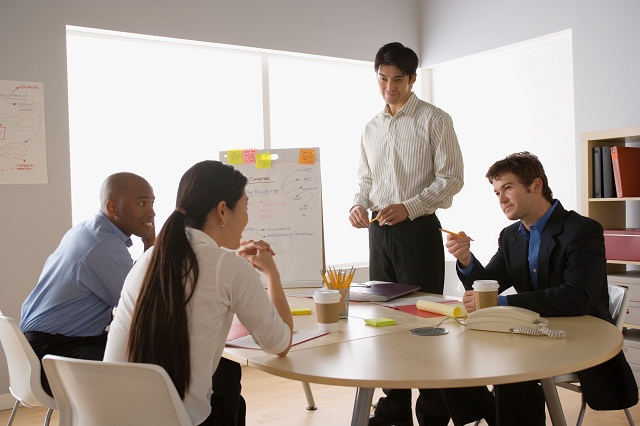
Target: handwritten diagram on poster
pixel 285 208
pixel 23 154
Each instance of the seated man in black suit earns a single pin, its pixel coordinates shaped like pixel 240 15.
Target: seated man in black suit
pixel 555 260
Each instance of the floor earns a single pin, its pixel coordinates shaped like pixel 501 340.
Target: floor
pixel 273 401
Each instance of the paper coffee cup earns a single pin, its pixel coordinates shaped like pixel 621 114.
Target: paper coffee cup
pixel 327 309
pixel 486 293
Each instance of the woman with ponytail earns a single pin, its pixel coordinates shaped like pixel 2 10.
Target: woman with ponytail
pixel 179 299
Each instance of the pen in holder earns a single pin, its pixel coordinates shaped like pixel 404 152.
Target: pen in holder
pixel 339 280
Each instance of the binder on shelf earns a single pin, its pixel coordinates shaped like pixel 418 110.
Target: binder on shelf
pixel 622 244
pixel 608 181
pixel 597 172
pixel 626 170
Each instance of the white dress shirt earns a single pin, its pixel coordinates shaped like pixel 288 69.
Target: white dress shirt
pixel 227 285
pixel 411 158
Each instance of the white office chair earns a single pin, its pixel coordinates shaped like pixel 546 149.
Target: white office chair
pixel 24 370
pixel 100 393
pixel 618 301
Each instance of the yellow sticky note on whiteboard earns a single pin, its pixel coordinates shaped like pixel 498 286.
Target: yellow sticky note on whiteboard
pixel 263 160
pixel 234 156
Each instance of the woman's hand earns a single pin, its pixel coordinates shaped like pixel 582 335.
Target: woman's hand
pixel 259 254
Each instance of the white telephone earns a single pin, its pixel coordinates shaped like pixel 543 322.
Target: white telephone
pixel 511 319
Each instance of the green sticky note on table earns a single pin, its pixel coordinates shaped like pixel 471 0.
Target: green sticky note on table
pixel 300 310
pixel 380 322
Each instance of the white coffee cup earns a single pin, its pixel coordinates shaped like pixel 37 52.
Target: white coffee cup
pixel 486 293
pixel 327 309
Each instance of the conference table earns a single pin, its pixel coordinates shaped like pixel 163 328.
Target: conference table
pixel 366 357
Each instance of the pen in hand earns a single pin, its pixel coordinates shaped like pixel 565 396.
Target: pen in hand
pixel 455 234
pixel 372 220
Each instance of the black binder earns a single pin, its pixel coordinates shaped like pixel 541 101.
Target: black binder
pixel 597 172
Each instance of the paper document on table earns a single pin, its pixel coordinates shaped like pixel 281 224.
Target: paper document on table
pixel 406 301
pixel 304 292
pixel 299 336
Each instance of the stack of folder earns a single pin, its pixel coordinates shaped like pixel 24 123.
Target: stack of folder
pixel 616 171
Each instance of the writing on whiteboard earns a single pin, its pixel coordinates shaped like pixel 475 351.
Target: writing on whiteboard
pixel 285 210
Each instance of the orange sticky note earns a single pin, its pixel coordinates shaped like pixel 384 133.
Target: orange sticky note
pixel 234 156
pixel 263 160
pixel 307 156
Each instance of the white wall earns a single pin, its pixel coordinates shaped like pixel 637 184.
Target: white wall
pixel 32 48
pixel 605 47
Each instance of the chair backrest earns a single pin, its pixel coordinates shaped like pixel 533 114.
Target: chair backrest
pixel 24 366
pixel 100 393
pixel 618 303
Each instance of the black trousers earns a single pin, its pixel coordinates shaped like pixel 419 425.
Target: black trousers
pixel 91 348
pixel 435 407
pixel 228 407
pixel 409 252
pixel 412 252
pixel 520 404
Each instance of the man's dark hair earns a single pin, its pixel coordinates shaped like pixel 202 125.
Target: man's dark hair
pixel 526 167
pixel 399 56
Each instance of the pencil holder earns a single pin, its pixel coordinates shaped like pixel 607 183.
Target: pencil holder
pixel 344 302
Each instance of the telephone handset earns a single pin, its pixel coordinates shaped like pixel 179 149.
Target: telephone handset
pixel 511 319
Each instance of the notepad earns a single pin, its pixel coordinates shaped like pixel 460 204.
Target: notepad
pixel 380 322
pixel 239 336
pixel 300 310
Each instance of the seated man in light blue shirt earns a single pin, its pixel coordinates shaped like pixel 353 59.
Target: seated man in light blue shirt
pixel 72 303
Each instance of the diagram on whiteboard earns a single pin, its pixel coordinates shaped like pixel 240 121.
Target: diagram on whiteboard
pixel 285 206
pixel 23 156
pixel 285 210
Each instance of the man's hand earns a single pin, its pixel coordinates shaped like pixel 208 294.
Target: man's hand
pixel 150 239
pixel 393 214
pixel 460 248
pixel 358 217
pixel 469 300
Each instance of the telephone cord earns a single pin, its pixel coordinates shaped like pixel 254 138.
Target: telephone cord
pixel 541 330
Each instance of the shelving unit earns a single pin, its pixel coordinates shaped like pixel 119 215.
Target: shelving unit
pixel 612 213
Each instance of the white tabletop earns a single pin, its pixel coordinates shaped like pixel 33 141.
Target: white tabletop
pixel 368 357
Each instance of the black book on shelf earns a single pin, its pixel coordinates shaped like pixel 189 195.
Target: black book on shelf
pixel 608 182
pixel 597 172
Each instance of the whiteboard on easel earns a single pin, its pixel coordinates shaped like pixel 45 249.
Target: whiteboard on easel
pixel 285 208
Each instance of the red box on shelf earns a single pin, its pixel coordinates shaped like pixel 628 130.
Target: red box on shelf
pixel 622 244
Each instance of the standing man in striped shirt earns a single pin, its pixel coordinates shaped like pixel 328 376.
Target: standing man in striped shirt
pixel 410 166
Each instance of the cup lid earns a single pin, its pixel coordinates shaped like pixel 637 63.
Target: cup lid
pixel 326 296
pixel 485 285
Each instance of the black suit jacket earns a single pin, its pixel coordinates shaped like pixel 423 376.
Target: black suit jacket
pixel 572 281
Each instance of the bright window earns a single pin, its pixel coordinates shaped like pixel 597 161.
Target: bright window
pixel 156 106
pixel 517 98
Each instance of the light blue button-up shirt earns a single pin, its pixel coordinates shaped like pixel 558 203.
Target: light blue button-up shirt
pixel 80 282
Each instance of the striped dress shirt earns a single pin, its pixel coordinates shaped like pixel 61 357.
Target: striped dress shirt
pixel 411 158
